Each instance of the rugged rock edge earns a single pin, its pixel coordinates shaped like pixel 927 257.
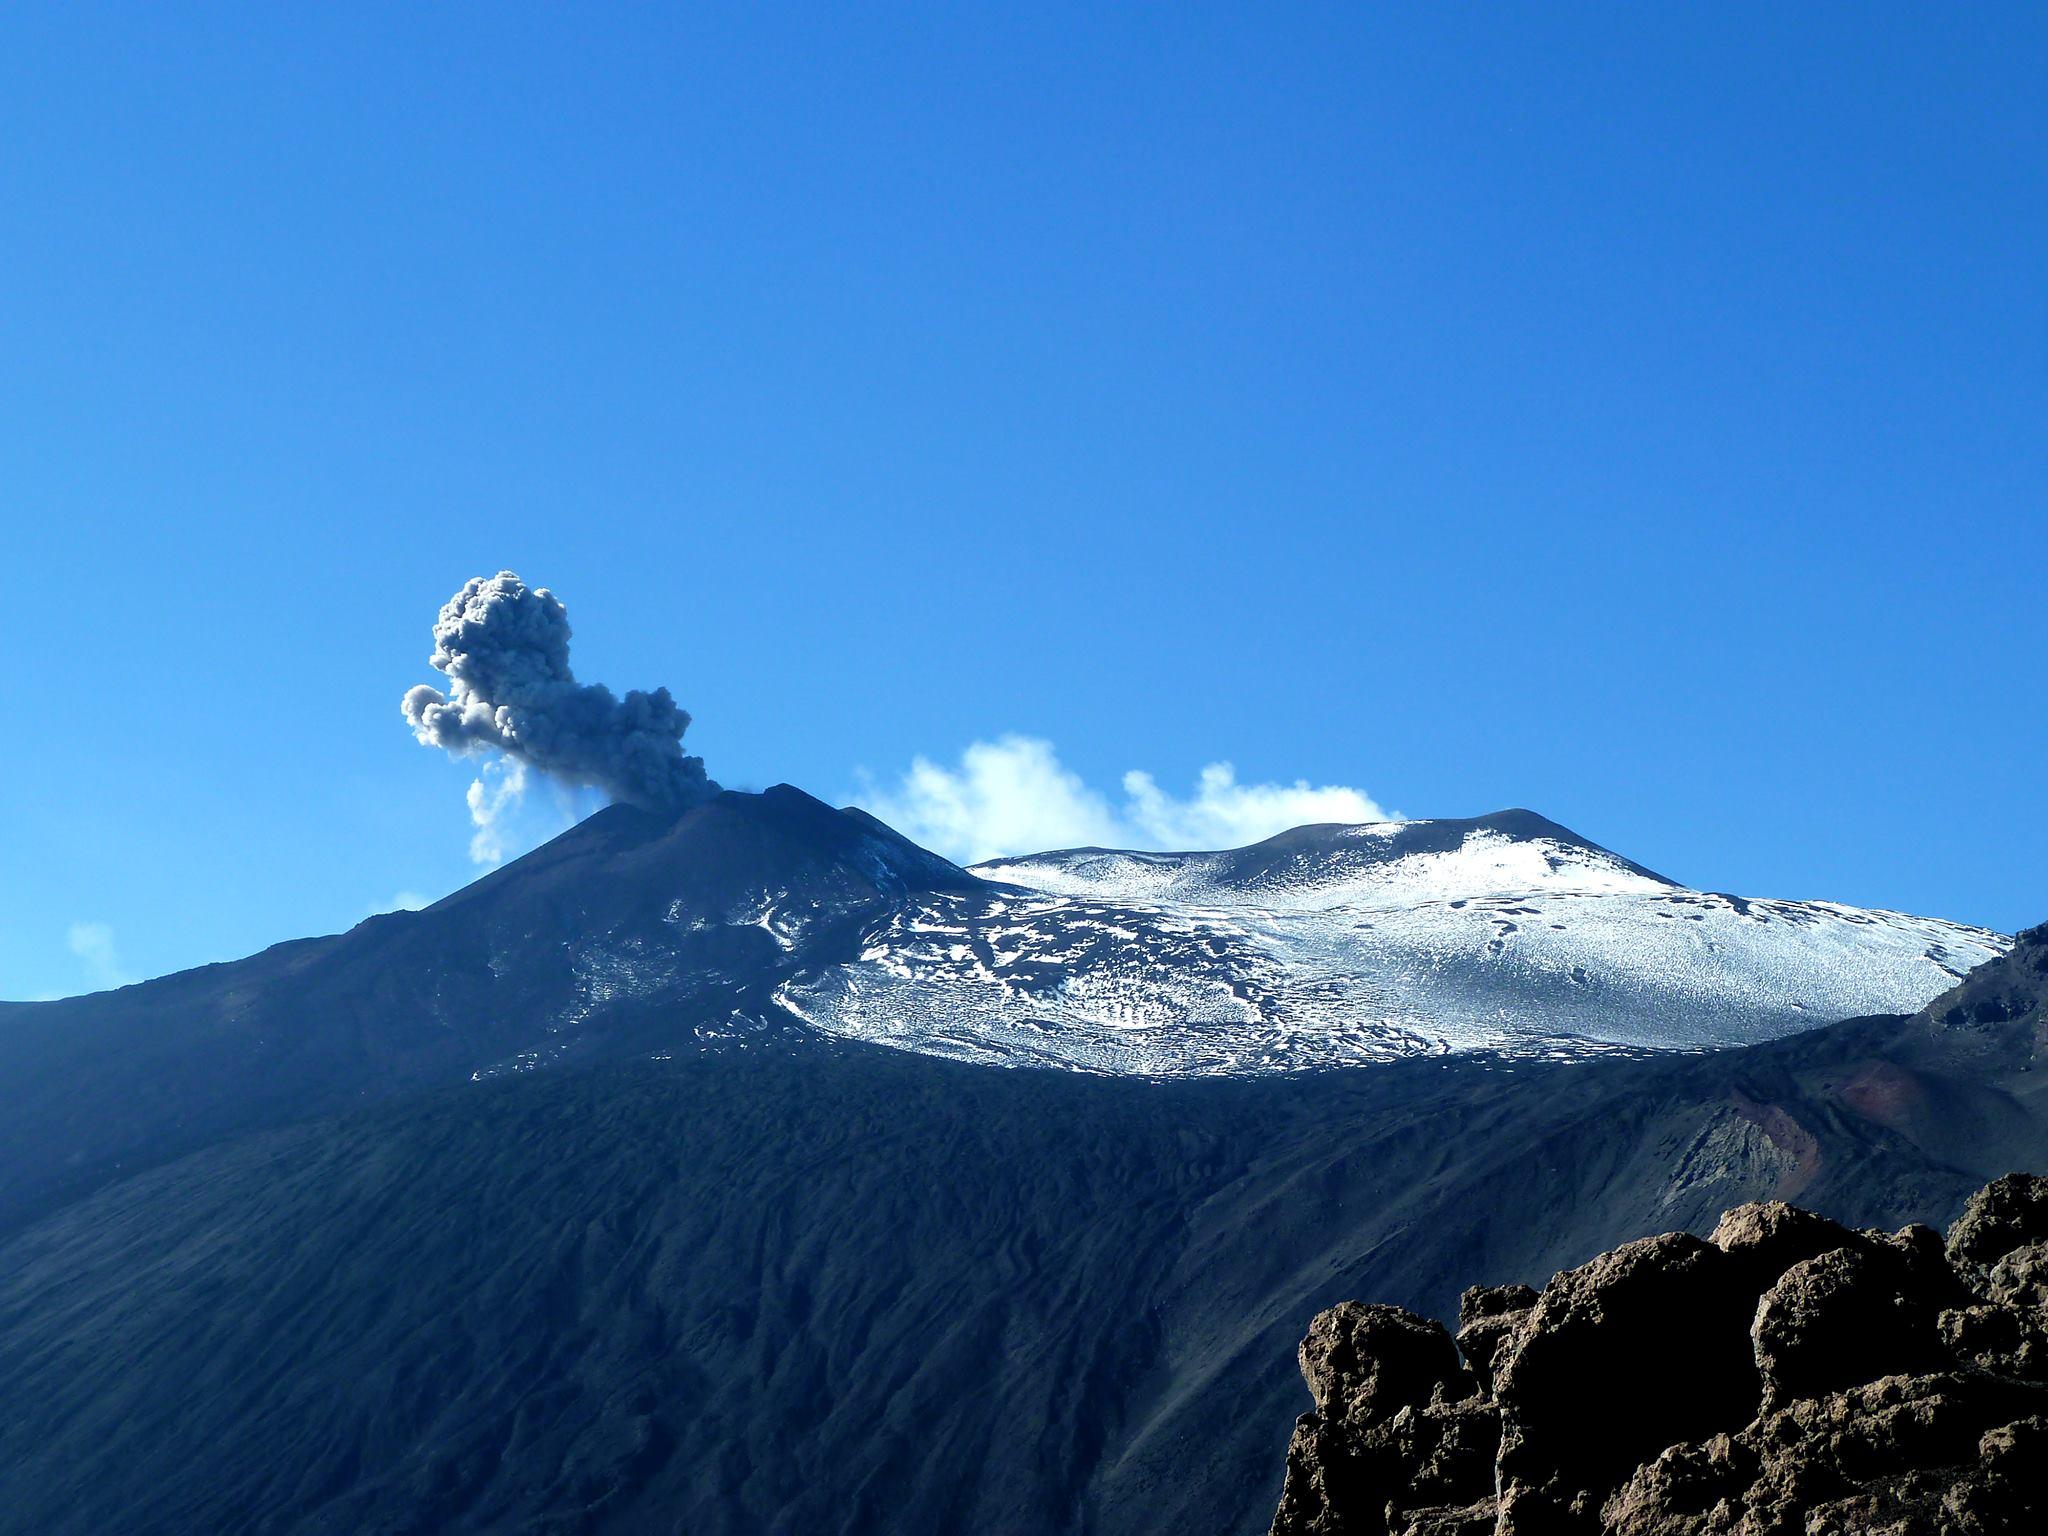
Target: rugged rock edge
pixel 1784 1375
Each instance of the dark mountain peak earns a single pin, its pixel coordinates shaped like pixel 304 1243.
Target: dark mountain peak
pixel 2007 996
pixel 1523 825
pixel 1300 849
pixel 724 849
pixel 623 935
pixel 1323 848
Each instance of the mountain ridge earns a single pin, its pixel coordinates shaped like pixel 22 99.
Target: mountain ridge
pixel 733 924
pixel 1425 834
pixel 1346 944
pixel 792 1289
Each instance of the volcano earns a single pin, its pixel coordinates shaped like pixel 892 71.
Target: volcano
pixel 764 918
pixel 605 1195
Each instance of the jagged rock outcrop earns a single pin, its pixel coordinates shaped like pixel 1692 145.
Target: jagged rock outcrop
pixel 1786 1376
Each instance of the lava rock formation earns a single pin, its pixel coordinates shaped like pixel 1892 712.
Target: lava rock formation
pixel 1784 1375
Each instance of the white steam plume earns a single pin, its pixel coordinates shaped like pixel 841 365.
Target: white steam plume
pixel 1013 796
pixel 93 944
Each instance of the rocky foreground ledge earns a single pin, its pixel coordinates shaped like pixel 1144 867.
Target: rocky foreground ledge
pixel 1786 1375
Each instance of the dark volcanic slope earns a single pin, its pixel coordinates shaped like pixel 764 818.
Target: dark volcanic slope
pixel 581 950
pixel 755 916
pixel 849 1291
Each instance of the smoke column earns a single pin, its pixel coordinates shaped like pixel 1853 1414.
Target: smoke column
pixel 505 649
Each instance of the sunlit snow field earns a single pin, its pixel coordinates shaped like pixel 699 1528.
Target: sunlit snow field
pixel 1359 944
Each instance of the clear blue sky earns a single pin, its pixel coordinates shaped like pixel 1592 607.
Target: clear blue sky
pixel 1635 413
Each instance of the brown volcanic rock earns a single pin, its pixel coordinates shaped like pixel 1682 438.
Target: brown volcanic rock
pixel 1489 1319
pixel 1662 1308
pixel 1870 1308
pixel 1767 1238
pixel 1363 1364
pixel 2020 1279
pixel 2004 1340
pixel 1936 1454
pixel 2004 1216
pixel 1790 1377
pixel 1398 1419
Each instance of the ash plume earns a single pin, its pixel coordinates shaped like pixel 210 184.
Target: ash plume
pixel 505 649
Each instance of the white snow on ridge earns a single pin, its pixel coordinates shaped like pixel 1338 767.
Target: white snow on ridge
pixel 1368 873
pixel 1343 945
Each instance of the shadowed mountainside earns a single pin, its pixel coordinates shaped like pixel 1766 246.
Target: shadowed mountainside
pixel 752 918
pixel 487 978
pixel 849 1290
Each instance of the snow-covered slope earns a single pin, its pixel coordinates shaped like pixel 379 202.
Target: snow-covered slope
pixel 1332 945
pixel 773 922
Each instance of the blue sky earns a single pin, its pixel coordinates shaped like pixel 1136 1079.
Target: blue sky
pixel 1632 413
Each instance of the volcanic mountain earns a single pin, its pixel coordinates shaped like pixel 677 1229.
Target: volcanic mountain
pixel 772 915
pixel 1335 945
pixel 570 1203
pixel 627 935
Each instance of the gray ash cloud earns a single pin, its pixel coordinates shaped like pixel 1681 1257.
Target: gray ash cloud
pixel 504 647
